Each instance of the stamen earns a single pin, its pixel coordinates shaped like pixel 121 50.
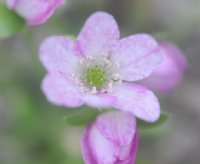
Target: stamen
pixel 84 89
pixel 94 90
pixel 105 63
pixel 115 77
pixel 103 90
pixel 104 54
pixel 97 78
pixel 90 58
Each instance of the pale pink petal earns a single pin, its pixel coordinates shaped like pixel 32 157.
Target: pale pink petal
pixel 59 54
pixel 137 56
pixel 99 34
pixel 100 146
pixel 103 150
pixel 132 154
pixel 61 91
pixel 170 72
pixel 99 100
pixel 35 11
pixel 118 127
pixel 137 100
pixel 134 148
pixel 87 153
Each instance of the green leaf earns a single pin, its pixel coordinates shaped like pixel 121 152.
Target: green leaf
pixel 81 116
pixel 145 125
pixel 10 22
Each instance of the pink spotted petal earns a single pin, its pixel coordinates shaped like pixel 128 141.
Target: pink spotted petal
pixel 138 56
pixel 99 34
pixel 137 100
pixel 61 91
pixel 118 127
pixel 59 54
pixel 35 11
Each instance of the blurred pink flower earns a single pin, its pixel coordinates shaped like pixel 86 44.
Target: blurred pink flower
pixel 97 69
pixel 170 72
pixel 35 11
pixel 111 139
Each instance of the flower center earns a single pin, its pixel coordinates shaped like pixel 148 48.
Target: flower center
pixel 95 76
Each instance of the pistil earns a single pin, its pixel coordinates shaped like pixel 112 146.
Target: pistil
pixel 95 76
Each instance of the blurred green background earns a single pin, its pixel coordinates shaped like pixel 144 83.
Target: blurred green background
pixel 33 131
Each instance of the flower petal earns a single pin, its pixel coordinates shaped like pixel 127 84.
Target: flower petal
pixel 138 101
pixel 59 54
pixel 37 11
pixel 137 55
pixel 118 127
pixel 61 91
pixel 98 145
pixel 99 101
pixel 103 150
pixel 169 73
pixel 88 156
pixel 99 34
pixel 134 148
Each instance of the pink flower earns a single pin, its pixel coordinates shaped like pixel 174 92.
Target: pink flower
pixel 98 69
pixel 170 72
pixel 111 139
pixel 35 11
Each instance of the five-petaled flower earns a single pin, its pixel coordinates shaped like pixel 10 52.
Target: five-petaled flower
pixel 99 69
pixel 35 11
pixel 111 139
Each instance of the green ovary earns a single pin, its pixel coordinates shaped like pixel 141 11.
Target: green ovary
pixel 95 76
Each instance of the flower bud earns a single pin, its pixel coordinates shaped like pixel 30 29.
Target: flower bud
pixel 170 72
pixel 35 11
pixel 111 139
